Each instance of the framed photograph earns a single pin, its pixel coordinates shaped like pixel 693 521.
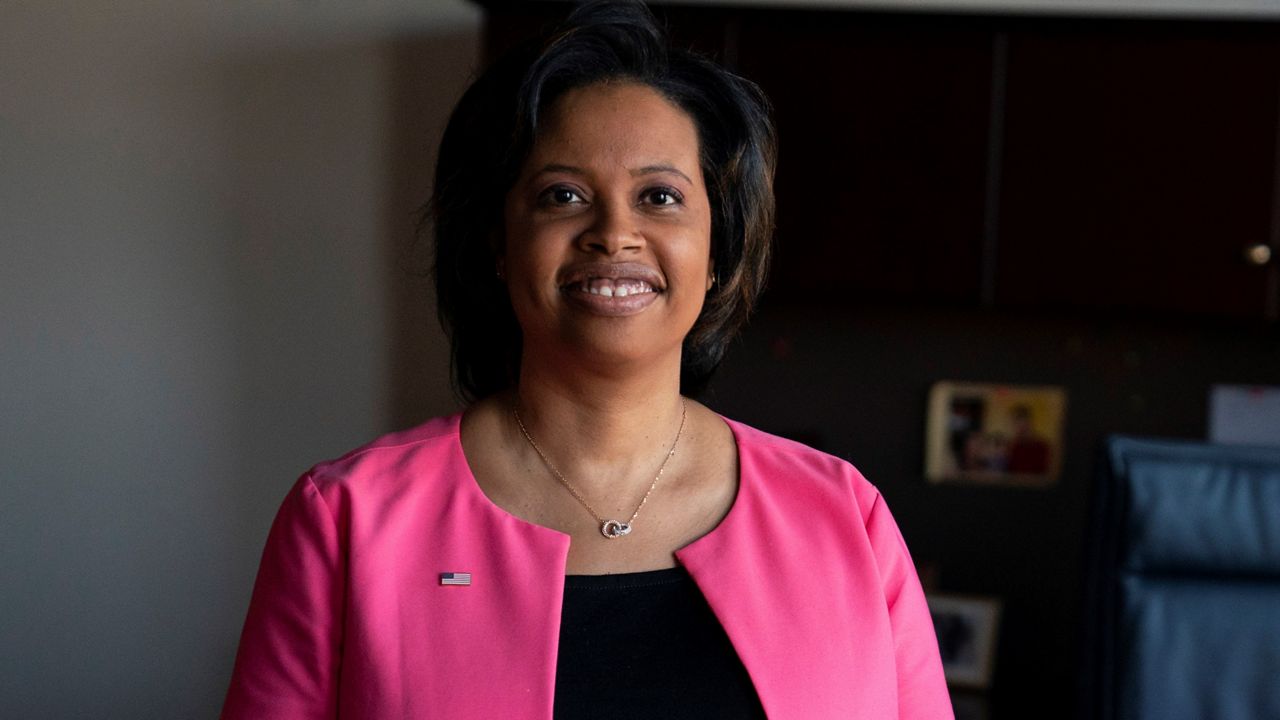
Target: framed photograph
pixel 966 626
pixel 1244 415
pixel 995 434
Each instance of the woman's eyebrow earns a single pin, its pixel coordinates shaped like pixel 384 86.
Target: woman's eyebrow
pixel 559 168
pixel 651 169
pixel 646 170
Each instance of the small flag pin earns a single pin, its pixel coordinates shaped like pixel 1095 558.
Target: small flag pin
pixel 455 578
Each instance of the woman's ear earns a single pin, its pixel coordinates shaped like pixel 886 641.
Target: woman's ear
pixel 711 274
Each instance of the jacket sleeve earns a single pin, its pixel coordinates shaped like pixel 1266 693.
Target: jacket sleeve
pixel 922 688
pixel 287 665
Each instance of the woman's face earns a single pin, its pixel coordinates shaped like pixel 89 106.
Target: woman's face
pixel 607 246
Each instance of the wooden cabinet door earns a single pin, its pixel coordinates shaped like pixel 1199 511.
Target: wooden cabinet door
pixel 1138 166
pixel 882 125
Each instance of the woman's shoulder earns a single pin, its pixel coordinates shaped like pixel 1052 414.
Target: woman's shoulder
pixel 762 446
pixel 394 456
pixel 774 460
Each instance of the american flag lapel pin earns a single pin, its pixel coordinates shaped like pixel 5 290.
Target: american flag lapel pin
pixel 455 578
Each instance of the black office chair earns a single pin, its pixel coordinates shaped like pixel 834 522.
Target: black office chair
pixel 1182 611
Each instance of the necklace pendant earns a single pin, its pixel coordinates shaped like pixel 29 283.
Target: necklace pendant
pixel 614 529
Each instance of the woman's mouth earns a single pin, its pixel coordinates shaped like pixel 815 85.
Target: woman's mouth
pixel 611 289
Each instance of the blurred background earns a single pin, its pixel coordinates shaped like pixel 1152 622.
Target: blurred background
pixel 210 281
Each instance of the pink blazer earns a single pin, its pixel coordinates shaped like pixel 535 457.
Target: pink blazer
pixel 807 573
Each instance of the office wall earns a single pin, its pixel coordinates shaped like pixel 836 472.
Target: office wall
pixel 200 241
pixel 855 381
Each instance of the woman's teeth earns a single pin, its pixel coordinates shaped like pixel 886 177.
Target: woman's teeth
pixel 614 288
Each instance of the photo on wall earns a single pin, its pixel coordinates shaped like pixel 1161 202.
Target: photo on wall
pixel 967 628
pixel 983 433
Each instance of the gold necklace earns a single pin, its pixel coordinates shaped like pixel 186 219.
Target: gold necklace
pixel 609 528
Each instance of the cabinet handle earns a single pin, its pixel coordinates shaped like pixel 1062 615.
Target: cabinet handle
pixel 1258 254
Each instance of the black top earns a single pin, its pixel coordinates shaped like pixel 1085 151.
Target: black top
pixel 646 645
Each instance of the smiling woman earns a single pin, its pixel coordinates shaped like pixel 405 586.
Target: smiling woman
pixel 487 150
pixel 606 245
pixel 585 540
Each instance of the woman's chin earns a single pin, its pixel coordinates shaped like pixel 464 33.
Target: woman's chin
pixel 605 348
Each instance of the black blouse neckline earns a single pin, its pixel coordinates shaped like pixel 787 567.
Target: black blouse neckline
pixel 619 581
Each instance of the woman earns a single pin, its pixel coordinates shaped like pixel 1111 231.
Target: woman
pixel 584 540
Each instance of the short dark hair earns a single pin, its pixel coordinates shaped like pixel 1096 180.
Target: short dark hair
pixel 490 135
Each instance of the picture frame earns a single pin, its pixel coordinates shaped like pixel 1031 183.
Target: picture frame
pixel 995 434
pixel 967 628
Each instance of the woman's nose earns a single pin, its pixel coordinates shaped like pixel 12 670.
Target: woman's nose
pixel 613 230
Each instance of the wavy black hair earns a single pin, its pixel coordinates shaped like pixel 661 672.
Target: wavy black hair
pixel 489 137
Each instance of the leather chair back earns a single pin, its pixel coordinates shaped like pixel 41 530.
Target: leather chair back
pixel 1183 605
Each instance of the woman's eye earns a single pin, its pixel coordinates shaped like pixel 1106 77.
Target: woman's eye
pixel 663 196
pixel 561 196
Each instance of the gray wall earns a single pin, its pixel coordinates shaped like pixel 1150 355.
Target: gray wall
pixel 199 237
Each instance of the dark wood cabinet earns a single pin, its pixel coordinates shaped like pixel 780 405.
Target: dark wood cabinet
pixel 882 125
pixel 1035 163
pixel 1138 165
